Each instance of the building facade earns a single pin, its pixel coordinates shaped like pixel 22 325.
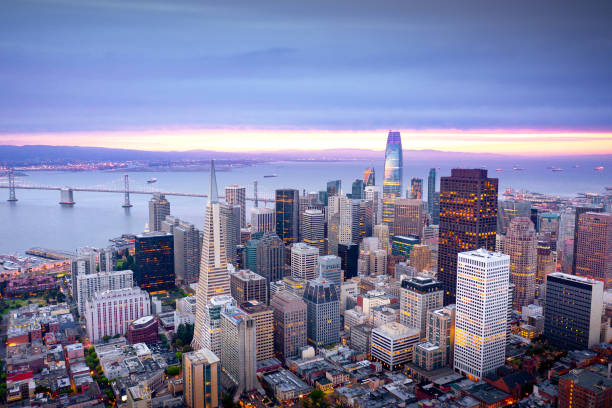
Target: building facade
pixel 392 183
pixel 287 215
pixel 159 208
pixel 263 316
pixel 418 296
pixel 594 247
pixel 392 344
pixel 202 379
pixel 314 229
pixel 239 348
pixel 323 312
pixel 246 285
pixel 263 219
pixel 304 261
pixel 236 195
pixel 290 317
pixel 521 245
pixel 154 256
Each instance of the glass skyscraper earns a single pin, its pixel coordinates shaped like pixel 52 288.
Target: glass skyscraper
pixel 431 190
pixel 392 184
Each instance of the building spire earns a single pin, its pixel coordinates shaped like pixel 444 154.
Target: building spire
pixel 212 188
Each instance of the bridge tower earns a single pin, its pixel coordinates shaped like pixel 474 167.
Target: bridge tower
pixel 126 192
pixel 255 192
pixel 66 197
pixel 11 181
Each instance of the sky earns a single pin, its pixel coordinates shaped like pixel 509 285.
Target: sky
pixel 478 76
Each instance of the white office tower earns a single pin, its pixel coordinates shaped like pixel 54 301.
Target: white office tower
pixel 393 345
pixel 214 275
pixel 367 248
pixel 239 348
pixel 110 312
pixel 236 195
pixel 418 296
pixel 89 284
pixel 349 221
pixel 482 312
pixel 304 261
pixel 263 219
pixel 313 229
pixel 185 311
pixel 381 231
pixel 211 338
pixel 330 269
pixel 373 194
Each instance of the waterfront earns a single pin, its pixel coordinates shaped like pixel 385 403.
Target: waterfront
pixel 38 220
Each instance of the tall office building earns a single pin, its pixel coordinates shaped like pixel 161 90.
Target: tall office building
pixel 435 216
pixel 201 379
pixel 247 285
pixel 314 229
pixel 187 249
pixel 441 331
pixel 416 189
pixel 421 258
pixel 250 252
pixel 239 348
pixel 594 247
pixel 508 209
pixel 583 388
pixel 547 261
pixel 211 322
pixel 159 208
pixel 393 345
pixel 408 217
pixel 236 195
pixel 579 211
pixel 263 219
pixel 304 261
pixel 263 316
pixel 88 284
pixel 334 187
pixel 154 257
pixel 271 257
pixel 330 269
pixel 323 312
pixel 287 215
pixel 550 222
pixel 381 231
pixel 308 201
pixel 357 189
pixel 572 313
pixel 127 305
pixel 468 221
pixel 418 296
pixel 333 234
pixel 230 224
pixel 369 177
pixel 394 169
pixel 214 275
pixel 482 312
pixel 349 254
pixel 431 190
pixel 348 228
pixel 373 194
pixel 521 245
pixel 290 316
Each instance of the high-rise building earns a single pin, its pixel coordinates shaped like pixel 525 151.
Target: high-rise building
pixel 187 249
pixel 236 195
pixel 431 190
pixel 263 316
pixel 333 234
pixel 334 187
pixel 250 252
pixel 270 257
pixel 585 389
pixel 393 345
pixel 247 285
pixel 263 219
pixel 418 296
pixel 357 189
pixel 201 379
pixel 594 247
pixel 365 221
pixel 381 231
pixel 402 245
pixel 367 249
pixel 373 194
pixel 369 177
pixel 214 275
pixel 416 189
pixel 572 313
pixel 482 312
pixel 508 209
pixel 421 258
pixel 521 245
pixel 408 217
pixel 230 223
pixel 290 316
pixel 349 255
pixel 468 221
pixel 348 228
pixel 441 331
pixel 211 322
pixel 547 261
pixel 127 305
pixel 239 348
pixel 309 201
pixel 154 257
pixel 392 184
pixel 435 216
pixel 159 208
pixel 314 229
pixel 88 284
pixel 287 215
pixel 330 269
pixel 549 222
pixel 304 261
pixel 323 312
pixel 579 211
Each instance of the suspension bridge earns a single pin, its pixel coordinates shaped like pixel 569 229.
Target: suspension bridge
pixel 118 186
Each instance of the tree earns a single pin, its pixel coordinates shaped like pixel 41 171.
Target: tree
pixel 316 399
pixel 106 339
pixel 172 371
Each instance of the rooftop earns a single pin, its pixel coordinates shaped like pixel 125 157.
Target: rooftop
pixel 202 355
pixel 396 330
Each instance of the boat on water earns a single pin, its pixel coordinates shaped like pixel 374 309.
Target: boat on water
pixel 152 180
pixel 599 168
pixel 499 169
pixel 576 166
pixel 271 175
pixel 556 169
pixel 517 168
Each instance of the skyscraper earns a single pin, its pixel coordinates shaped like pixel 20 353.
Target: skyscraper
pixel 579 211
pixel 408 217
pixel 373 194
pixel 290 318
pixel 263 316
pixel 482 312
pixel 211 322
pixel 323 309
pixel 236 195
pixel 304 261
pixel 88 284
pixel 214 275
pixel 230 224
pixel 393 345
pixel 508 209
pixel 271 257
pixel 154 257
pixel 247 285
pixel 349 220
pixel 521 245
pixel 392 184
pixel 416 189
pixel 468 221
pixel 263 219
pixel 418 296
pixel 330 269
pixel 159 208
pixel 287 215
pixel 369 177
pixel 202 379
pixel 334 188
pixel 357 189
pixel 187 249
pixel 572 313
pixel 431 190
pixel 594 247
pixel 349 255
pixel 314 229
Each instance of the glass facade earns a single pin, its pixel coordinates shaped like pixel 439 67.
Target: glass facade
pixel 154 255
pixel 287 215
pixel 392 184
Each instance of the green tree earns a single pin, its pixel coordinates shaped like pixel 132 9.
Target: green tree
pixel 316 399
pixel 172 371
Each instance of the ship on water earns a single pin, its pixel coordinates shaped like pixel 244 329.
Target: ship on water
pixel 599 168
pixel 152 180
pixel 271 175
